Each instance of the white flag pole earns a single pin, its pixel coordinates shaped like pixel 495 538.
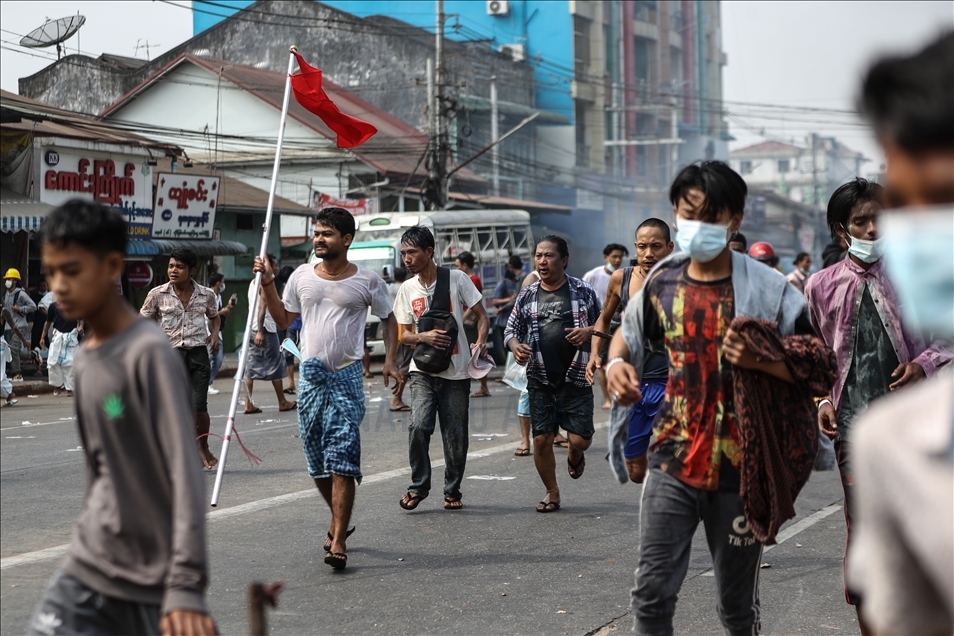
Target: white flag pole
pixel 240 374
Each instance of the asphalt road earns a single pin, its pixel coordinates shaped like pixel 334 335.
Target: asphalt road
pixel 495 567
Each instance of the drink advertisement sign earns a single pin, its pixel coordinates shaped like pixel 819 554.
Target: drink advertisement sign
pixel 185 206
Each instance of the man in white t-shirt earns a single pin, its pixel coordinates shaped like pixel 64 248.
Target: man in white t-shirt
pixel 332 297
pixel 445 394
pixel 599 277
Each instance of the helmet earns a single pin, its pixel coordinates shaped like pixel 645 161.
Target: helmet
pixel 12 273
pixel 762 251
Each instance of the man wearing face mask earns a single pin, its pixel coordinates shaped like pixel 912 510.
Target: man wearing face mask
pixel 684 311
pixel 798 276
pixel 901 559
pixel 855 310
pixel 21 306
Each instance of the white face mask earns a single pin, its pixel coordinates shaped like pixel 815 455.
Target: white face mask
pixel 864 250
pixel 8 284
pixel 610 268
pixel 919 259
pixel 701 241
pixel 223 288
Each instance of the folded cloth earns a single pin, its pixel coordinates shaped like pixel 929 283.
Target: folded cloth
pixel 330 410
pixel 777 421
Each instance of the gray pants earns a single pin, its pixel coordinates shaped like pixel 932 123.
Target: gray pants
pixel 70 607
pixel 669 515
pixel 449 400
pixel 15 345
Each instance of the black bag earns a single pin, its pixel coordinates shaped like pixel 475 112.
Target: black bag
pixel 427 358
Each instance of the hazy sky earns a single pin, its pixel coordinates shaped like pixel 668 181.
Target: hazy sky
pixel 798 55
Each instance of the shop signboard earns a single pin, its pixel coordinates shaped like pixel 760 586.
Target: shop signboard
pixel 357 207
pixel 117 180
pixel 185 206
pixel 139 275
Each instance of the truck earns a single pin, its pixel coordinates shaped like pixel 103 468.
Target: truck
pixel 492 236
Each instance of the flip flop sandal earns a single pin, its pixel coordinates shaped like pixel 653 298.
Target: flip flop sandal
pixel 330 538
pixel 410 500
pixel 292 406
pixel 452 504
pixel 399 409
pixel 253 411
pixel 337 560
pixel 576 470
pixel 522 452
pixel 562 443
pixel 548 506
pixel 289 391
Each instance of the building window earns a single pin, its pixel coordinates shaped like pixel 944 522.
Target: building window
pixel 244 221
pixel 581 45
pixel 783 166
pixel 582 150
pixel 745 167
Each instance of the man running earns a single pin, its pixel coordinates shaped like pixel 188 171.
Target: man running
pixel 443 394
pixel 137 563
pixel 549 332
pixel 694 466
pixel 856 311
pixel 599 279
pixel 653 244
pixel 187 312
pixel 332 297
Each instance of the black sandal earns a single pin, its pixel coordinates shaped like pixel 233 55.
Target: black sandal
pixel 337 560
pixel 548 506
pixel 330 538
pixel 410 500
pixel 450 503
pixel 576 470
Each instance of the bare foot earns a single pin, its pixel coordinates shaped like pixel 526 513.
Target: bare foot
pixel 208 459
pixel 607 405
pixel 288 406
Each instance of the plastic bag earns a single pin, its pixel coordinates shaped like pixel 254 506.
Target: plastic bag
pixel 825 459
pixel 515 375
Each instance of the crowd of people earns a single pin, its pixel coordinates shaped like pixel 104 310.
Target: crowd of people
pixel 716 365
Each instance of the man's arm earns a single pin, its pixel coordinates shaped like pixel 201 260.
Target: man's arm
pixel 390 327
pixel 483 326
pixel 25 305
pixel 282 317
pixel 603 321
pixel 150 307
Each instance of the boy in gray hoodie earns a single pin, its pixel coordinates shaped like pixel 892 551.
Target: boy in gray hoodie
pixel 137 562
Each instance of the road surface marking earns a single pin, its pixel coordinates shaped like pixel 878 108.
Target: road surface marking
pixel 57 552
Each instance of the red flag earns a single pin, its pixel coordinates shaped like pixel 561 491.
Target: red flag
pixel 306 84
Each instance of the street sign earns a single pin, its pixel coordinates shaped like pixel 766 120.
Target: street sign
pixel 139 275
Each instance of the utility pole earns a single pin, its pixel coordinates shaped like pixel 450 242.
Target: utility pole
pixel 437 186
pixel 494 132
pixel 814 171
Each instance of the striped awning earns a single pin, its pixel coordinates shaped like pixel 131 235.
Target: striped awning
pixel 161 247
pixel 21 213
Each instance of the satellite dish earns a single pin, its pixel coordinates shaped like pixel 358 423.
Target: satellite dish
pixel 53 32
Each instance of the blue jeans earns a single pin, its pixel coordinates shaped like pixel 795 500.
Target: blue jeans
pixel 431 398
pixel 215 359
pixel 669 515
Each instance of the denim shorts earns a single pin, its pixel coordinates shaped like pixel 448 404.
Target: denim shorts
pixel 642 417
pixel 568 407
pixel 523 405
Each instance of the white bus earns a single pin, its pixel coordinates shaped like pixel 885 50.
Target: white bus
pixel 492 236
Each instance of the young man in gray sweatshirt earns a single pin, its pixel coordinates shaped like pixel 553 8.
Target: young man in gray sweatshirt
pixel 137 562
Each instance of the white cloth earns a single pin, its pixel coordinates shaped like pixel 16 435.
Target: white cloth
pixel 270 325
pixel 333 312
pixel 598 280
pixel 414 299
pixel 60 360
pixel 6 386
pixel 48 299
pixel 393 290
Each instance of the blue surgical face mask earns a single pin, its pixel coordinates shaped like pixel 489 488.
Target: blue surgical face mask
pixel 919 259
pixel 701 241
pixel 864 250
pixel 610 268
pixel 223 288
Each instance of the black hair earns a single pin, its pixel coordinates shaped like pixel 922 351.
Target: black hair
pixel 186 256
pixel 614 247
pixel 338 218
pixel 739 237
pixel 215 279
pixel 467 259
pixel 846 197
pixel 509 275
pixel 284 274
pixel 271 257
pixel 722 186
pixel 660 225
pixel 799 257
pixel 400 274
pixel 910 98
pixel 90 225
pixel 560 244
pixel 515 262
pixel 418 236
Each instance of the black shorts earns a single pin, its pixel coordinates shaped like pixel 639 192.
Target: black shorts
pixel 568 407
pixel 199 369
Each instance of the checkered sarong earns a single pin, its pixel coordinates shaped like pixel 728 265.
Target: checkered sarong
pixel 330 410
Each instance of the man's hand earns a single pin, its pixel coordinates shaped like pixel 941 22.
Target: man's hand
pixel 259 266
pixel 826 420
pixel 592 367
pixel 213 342
pixel 187 623
pixel 623 383
pixel 577 336
pixel 259 338
pixel 521 352
pixel 437 338
pixel 482 348
pixel 737 352
pixel 906 373
pixel 391 372
pixel 15 308
pixel 43 341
